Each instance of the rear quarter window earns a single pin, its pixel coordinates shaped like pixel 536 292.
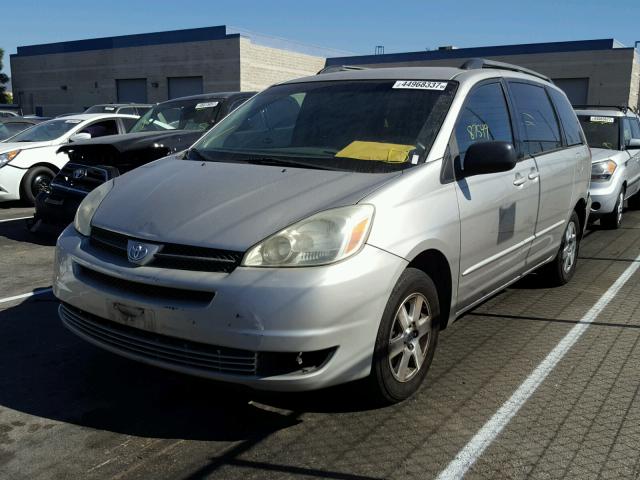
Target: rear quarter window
pixel 568 118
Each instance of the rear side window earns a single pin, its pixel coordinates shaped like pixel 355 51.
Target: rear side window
pixel 483 118
pixel 539 127
pixel 128 123
pixel 568 118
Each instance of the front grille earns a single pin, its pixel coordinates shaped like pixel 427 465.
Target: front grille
pixel 184 353
pixel 144 290
pixel 171 255
pixel 90 177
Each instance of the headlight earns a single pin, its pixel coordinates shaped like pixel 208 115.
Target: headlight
pixel 6 157
pixel 88 207
pixel 603 171
pixel 323 238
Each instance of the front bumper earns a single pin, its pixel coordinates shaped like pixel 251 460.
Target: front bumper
pixel 334 309
pixel 604 195
pixel 10 180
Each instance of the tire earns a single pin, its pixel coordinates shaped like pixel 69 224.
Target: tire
pixel 561 269
pixel 613 220
pixel 35 179
pixel 396 376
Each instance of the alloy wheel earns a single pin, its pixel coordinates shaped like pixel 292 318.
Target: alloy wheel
pixel 570 248
pixel 409 338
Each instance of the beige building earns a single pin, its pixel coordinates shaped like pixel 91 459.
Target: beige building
pixel 57 78
pixel 595 72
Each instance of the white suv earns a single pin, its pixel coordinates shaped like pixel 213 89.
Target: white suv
pixel 613 133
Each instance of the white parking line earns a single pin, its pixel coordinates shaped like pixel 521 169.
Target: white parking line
pixel 13 219
pixel 25 295
pixel 490 431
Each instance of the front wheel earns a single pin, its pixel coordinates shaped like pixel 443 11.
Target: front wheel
pixel 34 181
pixel 561 269
pixel 613 220
pixel 406 339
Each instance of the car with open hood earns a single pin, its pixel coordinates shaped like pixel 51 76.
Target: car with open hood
pixel 328 229
pixel 613 133
pixel 30 158
pixel 167 128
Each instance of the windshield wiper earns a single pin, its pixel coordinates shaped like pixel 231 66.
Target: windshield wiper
pixel 285 162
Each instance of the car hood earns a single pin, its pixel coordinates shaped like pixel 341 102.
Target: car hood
pixel 224 205
pixel 600 154
pixel 7 147
pixel 174 140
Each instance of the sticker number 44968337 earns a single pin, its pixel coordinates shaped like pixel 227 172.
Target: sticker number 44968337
pixel 420 85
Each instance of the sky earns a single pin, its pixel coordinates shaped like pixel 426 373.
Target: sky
pixel 353 26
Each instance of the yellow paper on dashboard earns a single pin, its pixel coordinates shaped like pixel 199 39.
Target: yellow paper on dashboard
pixel 386 152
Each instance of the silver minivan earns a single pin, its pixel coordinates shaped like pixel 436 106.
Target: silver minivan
pixel 329 228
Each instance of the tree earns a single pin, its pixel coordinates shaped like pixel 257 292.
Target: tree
pixel 3 80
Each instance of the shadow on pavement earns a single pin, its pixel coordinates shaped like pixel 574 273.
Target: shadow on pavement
pixel 17 230
pixel 48 372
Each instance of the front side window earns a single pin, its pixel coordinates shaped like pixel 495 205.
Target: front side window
pixel 101 129
pixel 568 118
pixel 536 119
pixel 46 131
pixel 626 131
pixel 484 118
pixel 366 125
pixel 197 115
pixel 602 131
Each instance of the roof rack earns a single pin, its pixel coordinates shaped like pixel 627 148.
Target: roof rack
pixel 478 63
pixel 622 108
pixel 340 68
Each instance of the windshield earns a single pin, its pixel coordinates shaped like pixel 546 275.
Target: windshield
pixel 365 125
pixel 10 128
pixel 198 115
pixel 46 131
pixel 601 131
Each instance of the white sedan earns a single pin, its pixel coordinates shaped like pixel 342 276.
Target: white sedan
pixel 29 160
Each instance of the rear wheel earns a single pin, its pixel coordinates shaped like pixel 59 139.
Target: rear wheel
pixel 406 339
pixel 561 269
pixel 613 220
pixel 36 179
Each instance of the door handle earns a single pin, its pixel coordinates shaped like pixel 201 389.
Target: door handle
pixel 534 175
pixel 520 180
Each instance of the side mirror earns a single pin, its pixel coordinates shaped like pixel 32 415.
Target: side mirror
pixel 488 157
pixel 76 137
pixel 634 143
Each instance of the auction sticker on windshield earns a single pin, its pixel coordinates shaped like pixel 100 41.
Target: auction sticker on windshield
pixel 420 85
pixel 601 119
pixel 200 106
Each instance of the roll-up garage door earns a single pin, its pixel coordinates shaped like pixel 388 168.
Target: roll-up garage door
pixel 184 86
pixel 577 89
pixel 132 90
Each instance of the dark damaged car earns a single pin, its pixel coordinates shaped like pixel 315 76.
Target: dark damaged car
pixel 167 128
